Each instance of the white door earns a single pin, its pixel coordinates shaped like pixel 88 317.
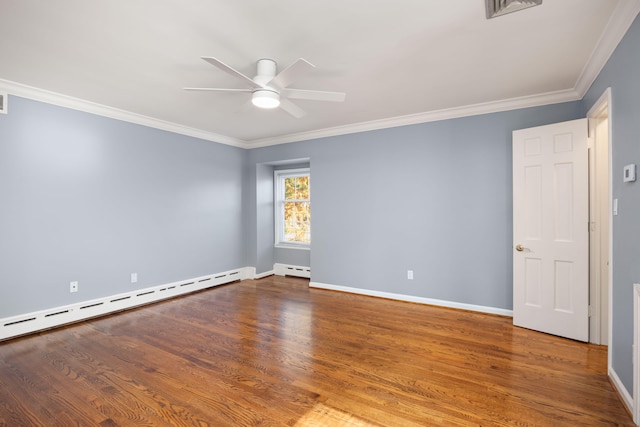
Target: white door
pixel 550 229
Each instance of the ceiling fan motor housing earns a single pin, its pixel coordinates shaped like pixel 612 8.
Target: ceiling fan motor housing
pixel 266 71
pixel 267 97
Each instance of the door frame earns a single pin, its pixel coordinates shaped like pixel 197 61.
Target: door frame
pixel 600 108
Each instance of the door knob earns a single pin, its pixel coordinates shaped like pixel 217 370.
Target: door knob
pixel 519 248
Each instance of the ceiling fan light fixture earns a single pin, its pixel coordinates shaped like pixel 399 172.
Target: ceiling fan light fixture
pixel 497 8
pixel 264 98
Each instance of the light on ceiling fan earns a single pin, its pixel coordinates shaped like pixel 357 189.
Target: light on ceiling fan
pixel 264 98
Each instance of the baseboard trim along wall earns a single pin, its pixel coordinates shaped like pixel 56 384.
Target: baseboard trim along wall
pixel 263 275
pixel 621 389
pixel 14 326
pixel 411 298
pixel 291 270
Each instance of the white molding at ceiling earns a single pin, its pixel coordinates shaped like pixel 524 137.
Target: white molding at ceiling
pixel 619 22
pixel 617 26
pixel 430 116
pixel 24 91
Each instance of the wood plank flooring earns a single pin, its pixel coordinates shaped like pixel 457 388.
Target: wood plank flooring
pixel 274 352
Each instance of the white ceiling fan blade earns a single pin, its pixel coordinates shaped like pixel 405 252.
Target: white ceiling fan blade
pixel 224 67
pixel 314 95
pixel 218 89
pixel 291 73
pixel 292 108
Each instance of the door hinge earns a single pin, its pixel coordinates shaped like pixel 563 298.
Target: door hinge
pixel 590 311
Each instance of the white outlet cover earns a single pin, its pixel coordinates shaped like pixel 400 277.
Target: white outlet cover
pixel 629 173
pixel 73 286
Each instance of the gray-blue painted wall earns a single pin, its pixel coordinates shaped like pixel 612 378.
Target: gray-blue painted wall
pixel 92 199
pixel 434 198
pixel 622 74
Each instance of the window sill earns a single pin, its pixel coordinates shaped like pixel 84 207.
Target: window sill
pixel 286 246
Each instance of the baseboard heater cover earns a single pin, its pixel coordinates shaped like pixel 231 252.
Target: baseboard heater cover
pixel 15 326
pixel 291 270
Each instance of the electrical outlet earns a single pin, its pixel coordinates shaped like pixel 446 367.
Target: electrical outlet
pixel 73 287
pixel 134 277
pixel 410 274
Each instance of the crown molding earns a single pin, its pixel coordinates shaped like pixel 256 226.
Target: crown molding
pixel 36 94
pixel 430 116
pixel 619 22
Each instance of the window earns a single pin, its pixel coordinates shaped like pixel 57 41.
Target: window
pixel 293 208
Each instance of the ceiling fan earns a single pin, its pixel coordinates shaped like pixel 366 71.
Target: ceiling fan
pixel 269 89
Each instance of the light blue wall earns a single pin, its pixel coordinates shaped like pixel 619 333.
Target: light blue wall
pixel 92 199
pixel 288 256
pixel 621 74
pixel 264 218
pixel 434 198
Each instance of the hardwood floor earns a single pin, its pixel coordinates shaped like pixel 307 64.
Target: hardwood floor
pixel 275 352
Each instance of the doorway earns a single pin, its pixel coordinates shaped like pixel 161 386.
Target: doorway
pixel 600 220
pixel 596 256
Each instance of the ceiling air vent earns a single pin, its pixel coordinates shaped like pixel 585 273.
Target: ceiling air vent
pixel 3 102
pixel 502 7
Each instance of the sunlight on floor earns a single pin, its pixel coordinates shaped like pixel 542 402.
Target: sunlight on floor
pixel 322 415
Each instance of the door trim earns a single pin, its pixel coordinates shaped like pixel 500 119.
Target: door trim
pixel 604 103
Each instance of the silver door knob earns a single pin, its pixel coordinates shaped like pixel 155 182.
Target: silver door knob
pixel 519 248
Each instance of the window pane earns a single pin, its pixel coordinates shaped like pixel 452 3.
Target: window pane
pixel 290 188
pixel 302 187
pixel 297 222
pixel 296 187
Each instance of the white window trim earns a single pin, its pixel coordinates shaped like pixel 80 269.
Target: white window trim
pixel 4 105
pixel 278 204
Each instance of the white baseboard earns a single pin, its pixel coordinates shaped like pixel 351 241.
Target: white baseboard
pixel 411 298
pixel 291 270
pixel 45 319
pixel 621 389
pixel 262 275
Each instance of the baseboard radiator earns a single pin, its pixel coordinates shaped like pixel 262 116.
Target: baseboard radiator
pixel 15 326
pixel 291 270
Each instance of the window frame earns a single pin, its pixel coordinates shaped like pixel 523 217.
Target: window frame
pixel 279 175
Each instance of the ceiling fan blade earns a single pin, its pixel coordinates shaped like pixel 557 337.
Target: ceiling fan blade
pixel 217 89
pixel 292 108
pixel 314 95
pixel 291 73
pixel 224 67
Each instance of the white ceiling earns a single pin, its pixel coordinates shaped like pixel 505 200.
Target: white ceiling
pixel 400 62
